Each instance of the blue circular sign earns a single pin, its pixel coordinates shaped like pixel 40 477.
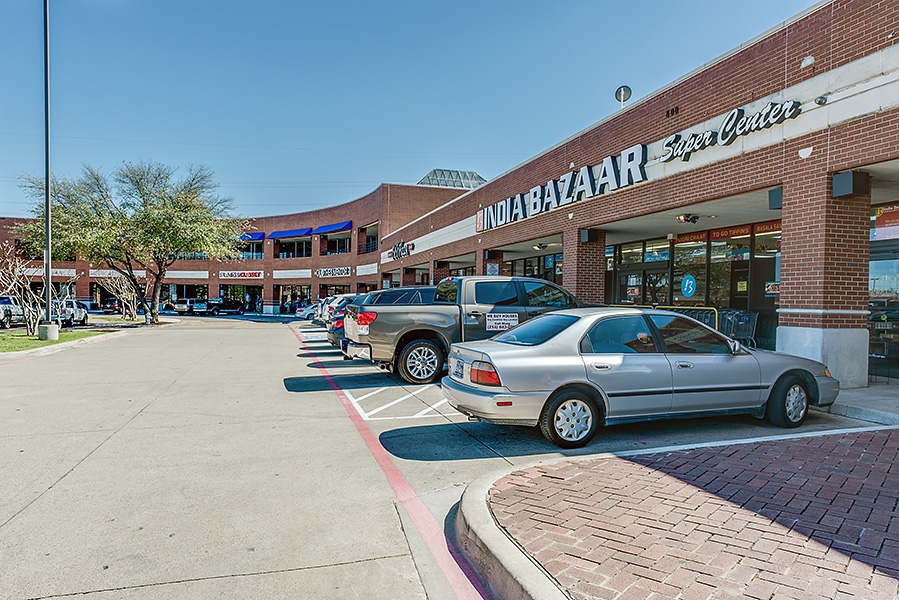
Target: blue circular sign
pixel 688 286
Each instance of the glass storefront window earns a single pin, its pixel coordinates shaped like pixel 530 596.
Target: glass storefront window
pixel 729 267
pixel 632 253
pixel 656 250
pixel 689 270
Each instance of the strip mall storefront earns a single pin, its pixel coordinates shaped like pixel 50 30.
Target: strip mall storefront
pixel 751 184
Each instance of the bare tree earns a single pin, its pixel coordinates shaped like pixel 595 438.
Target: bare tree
pixel 16 274
pixel 122 288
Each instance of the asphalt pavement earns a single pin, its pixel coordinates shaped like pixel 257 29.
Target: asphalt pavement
pixel 169 464
pixel 806 516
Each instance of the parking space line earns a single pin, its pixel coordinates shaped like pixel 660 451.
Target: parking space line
pixel 397 401
pixel 430 408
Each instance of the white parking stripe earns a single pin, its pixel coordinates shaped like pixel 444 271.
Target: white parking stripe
pixel 355 403
pixel 389 404
pixel 370 394
pixel 430 408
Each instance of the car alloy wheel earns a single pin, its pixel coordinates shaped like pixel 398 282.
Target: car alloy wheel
pixel 788 404
pixel 421 361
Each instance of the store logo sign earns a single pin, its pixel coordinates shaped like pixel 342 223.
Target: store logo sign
pixel 613 173
pixel 400 250
pixel 240 274
pixel 334 272
pixel 734 125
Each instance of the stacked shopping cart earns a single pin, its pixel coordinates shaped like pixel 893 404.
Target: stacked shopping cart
pixel 738 324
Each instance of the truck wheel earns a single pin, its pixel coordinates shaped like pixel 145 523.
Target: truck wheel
pixel 421 361
pixel 788 403
pixel 5 320
pixel 83 320
pixel 569 420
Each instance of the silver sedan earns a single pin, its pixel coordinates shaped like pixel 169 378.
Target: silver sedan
pixel 573 370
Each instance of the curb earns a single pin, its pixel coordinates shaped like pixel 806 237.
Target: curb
pixel 865 414
pixel 501 564
pixel 44 350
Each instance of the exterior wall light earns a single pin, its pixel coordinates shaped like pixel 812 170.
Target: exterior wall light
pixel 821 100
pixel 686 218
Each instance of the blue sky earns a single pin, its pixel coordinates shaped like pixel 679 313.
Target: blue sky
pixel 296 105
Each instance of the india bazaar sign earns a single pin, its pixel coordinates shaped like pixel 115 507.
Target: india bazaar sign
pixel 613 173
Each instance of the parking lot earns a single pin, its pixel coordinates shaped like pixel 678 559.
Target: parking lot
pixel 243 457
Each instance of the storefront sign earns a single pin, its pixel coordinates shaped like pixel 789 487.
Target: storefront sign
pixel 886 223
pixel 240 274
pixel 334 272
pixel 730 232
pixel 772 289
pixel 734 125
pixel 692 238
pixel 401 250
pixel 613 173
pixel 769 227
pixel 688 286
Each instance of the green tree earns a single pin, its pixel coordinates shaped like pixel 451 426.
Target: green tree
pixel 141 219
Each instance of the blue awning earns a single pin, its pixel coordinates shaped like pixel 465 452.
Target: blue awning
pixel 333 228
pixel 290 233
pixel 252 236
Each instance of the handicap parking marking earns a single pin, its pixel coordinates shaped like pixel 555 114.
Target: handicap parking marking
pixel 387 400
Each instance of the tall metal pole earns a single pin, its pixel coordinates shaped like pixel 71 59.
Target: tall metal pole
pixel 47 261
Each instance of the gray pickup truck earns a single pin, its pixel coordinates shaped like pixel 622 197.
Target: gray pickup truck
pixel 11 311
pixel 413 339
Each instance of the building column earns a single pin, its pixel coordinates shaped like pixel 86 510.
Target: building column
pixel 408 277
pixel 824 275
pixel 489 257
pixel 440 270
pixel 584 263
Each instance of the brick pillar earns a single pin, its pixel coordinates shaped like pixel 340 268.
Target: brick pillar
pixel 360 239
pixel 489 257
pixel 824 275
pixel 322 245
pixel 440 270
pixel 408 277
pixel 584 264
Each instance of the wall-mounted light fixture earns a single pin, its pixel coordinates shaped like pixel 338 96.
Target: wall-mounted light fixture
pixel 686 218
pixel 540 246
pixel 821 100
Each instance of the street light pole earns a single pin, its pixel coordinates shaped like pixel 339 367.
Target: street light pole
pixel 48 280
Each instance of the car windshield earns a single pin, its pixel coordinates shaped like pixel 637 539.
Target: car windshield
pixel 536 331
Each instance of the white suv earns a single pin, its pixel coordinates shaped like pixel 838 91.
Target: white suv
pixel 70 312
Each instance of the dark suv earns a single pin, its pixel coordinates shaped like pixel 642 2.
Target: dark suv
pixel 111 305
pixel 215 306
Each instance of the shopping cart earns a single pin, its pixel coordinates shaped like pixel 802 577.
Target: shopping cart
pixel 738 324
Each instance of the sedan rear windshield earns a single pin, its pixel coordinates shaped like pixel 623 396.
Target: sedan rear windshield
pixel 536 331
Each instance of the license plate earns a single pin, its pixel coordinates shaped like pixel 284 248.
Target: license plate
pixel 459 368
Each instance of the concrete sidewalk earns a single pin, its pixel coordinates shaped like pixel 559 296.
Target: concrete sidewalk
pixel 804 516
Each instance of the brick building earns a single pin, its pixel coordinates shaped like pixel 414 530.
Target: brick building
pixel 765 183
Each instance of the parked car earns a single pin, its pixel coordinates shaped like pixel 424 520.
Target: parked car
pixel 573 370
pixel 336 304
pixel 11 311
pixel 69 312
pixel 307 313
pixel 111 305
pixel 190 306
pixel 335 327
pixel 215 306
pixel 413 339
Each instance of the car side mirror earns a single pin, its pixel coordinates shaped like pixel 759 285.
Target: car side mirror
pixel 735 346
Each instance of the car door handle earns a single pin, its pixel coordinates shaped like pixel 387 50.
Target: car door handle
pixel 475 314
pixel 682 364
pixel 601 366
pixel 533 313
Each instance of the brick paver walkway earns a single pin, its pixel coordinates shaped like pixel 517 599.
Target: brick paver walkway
pixel 806 518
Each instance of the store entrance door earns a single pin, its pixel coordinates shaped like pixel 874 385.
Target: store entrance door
pixel 644 284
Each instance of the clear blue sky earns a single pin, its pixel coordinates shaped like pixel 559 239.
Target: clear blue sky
pixel 298 104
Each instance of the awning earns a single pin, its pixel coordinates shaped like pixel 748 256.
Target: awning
pixel 333 228
pixel 290 233
pixel 252 236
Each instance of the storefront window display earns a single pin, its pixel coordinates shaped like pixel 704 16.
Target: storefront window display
pixel 883 293
pixel 690 251
pixel 250 295
pixel 729 253
pixel 548 266
pixel 291 296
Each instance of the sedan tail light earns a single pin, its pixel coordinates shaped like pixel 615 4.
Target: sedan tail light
pixel 484 373
pixel 338 324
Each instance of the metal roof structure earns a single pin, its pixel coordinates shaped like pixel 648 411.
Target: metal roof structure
pixel 467 180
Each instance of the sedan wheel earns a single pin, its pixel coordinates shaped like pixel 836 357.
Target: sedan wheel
pixel 788 404
pixel 570 420
pixel 421 361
